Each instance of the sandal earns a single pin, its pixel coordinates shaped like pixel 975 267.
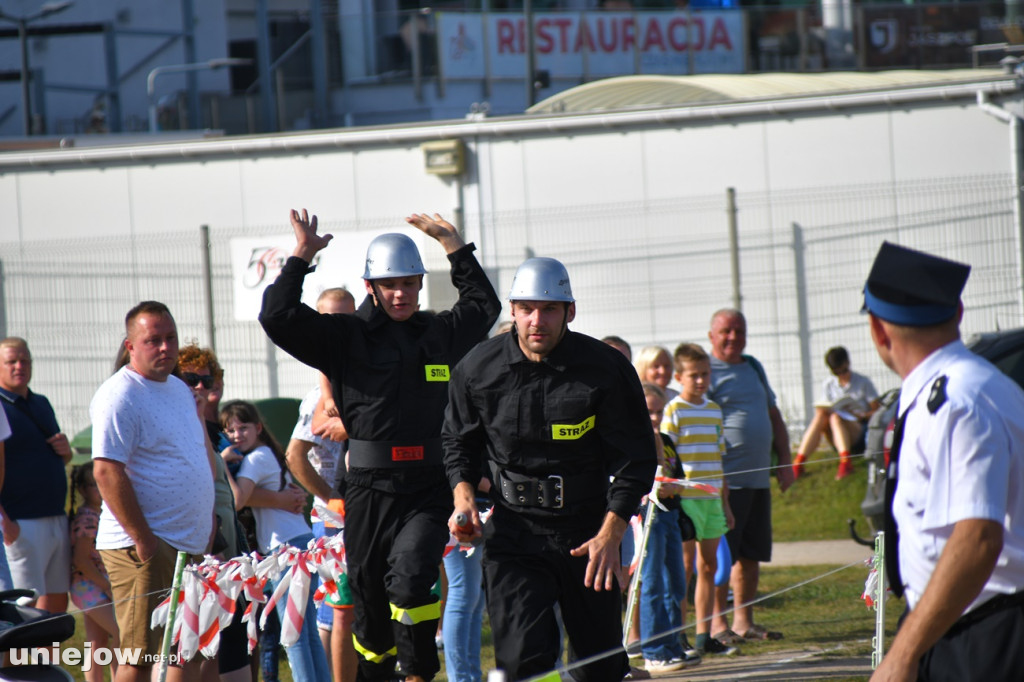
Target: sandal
pixel 758 633
pixel 728 637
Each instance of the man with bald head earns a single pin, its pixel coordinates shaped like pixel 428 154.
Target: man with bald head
pixel 753 427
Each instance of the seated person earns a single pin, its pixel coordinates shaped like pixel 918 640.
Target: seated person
pixel 840 416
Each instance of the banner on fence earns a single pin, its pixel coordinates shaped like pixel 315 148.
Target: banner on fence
pixel 257 261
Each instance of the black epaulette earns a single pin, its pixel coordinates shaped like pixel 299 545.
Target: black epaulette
pixel 938 394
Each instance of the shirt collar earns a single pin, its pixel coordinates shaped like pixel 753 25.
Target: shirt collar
pixel 922 376
pixel 556 359
pixel 376 317
pixel 12 397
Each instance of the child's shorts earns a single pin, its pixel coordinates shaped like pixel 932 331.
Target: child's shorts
pixel 343 598
pixel 85 594
pixel 708 518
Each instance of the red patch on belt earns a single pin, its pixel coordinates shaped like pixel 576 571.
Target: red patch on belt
pixel 410 453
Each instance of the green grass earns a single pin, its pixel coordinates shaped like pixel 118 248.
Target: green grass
pixel 817 506
pixel 826 612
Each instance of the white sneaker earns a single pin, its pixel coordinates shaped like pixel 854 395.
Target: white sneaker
pixel 655 667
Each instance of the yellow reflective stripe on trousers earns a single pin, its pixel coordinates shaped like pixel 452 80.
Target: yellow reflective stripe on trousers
pixel 371 656
pixel 552 676
pixel 417 614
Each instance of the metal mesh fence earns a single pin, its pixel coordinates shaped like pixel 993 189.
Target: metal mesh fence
pixel 651 272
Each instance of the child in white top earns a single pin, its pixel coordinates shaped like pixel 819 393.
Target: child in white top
pixel 263 466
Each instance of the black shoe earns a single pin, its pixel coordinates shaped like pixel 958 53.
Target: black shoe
pixel 713 646
pixel 690 654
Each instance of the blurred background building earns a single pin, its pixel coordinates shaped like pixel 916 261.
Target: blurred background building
pixel 260 66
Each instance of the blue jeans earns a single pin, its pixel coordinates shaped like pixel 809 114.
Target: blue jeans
pixel 270 647
pixel 6 582
pixel 662 589
pixel 463 616
pixel 306 657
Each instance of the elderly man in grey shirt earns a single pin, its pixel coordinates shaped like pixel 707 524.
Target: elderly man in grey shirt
pixel 751 423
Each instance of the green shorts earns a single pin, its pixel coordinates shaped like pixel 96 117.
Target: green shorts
pixel 342 599
pixel 707 516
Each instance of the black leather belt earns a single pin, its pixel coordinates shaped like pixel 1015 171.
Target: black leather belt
pixel 988 608
pixel 551 492
pixel 393 454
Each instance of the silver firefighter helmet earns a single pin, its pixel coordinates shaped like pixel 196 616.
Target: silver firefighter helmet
pixel 392 255
pixel 541 279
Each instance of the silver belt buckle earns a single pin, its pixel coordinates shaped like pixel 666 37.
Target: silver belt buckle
pixel 560 487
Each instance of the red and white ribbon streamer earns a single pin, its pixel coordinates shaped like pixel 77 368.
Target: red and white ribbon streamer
pixel 210 590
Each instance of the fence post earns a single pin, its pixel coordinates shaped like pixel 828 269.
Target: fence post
pixel 3 303
pixel 204 236
pixel 878 641
pixel 172 610
pixel 734 247
pixel 803 318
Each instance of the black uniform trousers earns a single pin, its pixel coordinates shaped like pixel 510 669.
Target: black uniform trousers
pixel 394 544
pixel 524 577
pixel 984 649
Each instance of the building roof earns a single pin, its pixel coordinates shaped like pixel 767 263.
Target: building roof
pixel 633 92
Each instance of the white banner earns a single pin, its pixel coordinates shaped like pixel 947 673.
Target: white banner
pixel 592 43
pixel 257 261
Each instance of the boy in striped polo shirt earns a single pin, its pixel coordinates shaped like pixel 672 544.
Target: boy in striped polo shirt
pixel 694 424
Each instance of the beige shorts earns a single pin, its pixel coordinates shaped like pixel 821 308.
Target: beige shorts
pixel 139 587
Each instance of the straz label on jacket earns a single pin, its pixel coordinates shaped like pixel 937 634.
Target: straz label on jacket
pixel 437 373
pixel 407 453
pixel 572 431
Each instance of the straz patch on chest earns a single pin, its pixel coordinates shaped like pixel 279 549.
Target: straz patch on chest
pixel 572 431
pixel 407 453
pixel 438 373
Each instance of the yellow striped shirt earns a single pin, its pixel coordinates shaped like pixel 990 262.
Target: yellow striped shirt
pixel 696 433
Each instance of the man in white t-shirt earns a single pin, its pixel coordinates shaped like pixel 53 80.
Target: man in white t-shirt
pixel 153 464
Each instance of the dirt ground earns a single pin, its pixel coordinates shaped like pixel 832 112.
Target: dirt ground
pixel 806 664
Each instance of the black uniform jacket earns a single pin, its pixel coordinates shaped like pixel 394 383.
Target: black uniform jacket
pixel 579 411
pixel 390 379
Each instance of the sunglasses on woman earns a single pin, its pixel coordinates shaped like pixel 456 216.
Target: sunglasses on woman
pixel 193 380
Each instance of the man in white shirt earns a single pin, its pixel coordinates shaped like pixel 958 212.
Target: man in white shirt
pixel 153 464
pixel 954 536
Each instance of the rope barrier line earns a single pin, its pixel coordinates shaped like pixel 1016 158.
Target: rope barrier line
pixel 547 677
pixel 164 593
pixel 822 460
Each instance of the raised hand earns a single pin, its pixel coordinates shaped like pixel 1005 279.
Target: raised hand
pixel 438 228
pixel 307 241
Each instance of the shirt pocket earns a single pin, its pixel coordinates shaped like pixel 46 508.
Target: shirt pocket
pixel 373 378
pixel 498 411
pixel 571 418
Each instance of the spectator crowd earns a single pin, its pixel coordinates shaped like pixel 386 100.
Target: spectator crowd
pixel 531 449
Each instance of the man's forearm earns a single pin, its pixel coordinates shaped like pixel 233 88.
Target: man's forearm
pixel 965 565
pixel 781 435
pixel 119 495
pixel 464 494
pixel 613 527
pixel 297 457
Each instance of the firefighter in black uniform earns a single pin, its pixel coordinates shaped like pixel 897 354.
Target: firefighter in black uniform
pixel 389 367
pixel 554 414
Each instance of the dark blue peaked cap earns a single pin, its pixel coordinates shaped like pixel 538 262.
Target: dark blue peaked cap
pixel 913 288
